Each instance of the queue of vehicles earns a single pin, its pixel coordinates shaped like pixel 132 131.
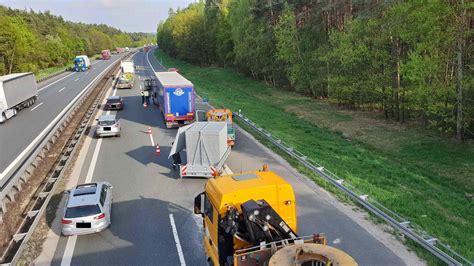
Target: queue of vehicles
pixel 249 218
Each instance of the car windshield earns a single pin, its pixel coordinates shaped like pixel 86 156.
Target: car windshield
pixel 82 211
pixel 106 123
pixel 113 100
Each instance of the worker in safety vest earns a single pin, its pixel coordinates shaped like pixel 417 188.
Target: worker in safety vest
pixel 147 97
pixel 143 96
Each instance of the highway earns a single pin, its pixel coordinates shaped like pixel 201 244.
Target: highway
pixel 54 95
pixel 150 201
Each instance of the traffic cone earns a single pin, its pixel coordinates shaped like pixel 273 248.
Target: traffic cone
pixel 144 105
pixel 149 131
pixel 157 150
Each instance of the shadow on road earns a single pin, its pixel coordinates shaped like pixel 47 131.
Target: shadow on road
pixel 137 239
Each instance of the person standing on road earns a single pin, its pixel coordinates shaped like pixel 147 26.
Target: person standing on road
pixel 143 96
pixel 147 97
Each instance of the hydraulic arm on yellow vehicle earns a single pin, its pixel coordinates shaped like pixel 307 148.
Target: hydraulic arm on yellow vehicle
pixel 250 219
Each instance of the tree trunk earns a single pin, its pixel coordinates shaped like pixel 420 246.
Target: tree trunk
pixel 13 56
pixel 459 89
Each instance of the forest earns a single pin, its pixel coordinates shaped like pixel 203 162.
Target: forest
pixel 409 60
pixel 31 41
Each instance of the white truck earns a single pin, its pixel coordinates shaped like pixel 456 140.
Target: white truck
pixel 127 77
pixel 17 91
pixel 206 149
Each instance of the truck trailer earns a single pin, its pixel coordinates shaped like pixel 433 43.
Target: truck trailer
pixel 82 63
pixel 206 149
pixel 17 91
pixel 127 78
pixel 175 97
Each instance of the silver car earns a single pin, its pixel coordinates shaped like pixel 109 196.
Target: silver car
pixel 87 209
pixel 108 125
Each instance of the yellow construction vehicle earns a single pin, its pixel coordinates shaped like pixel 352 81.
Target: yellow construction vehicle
pixel 223 115
pixel 250 219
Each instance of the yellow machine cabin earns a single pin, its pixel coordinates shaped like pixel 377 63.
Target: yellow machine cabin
pixel 248 217
pixel 223 115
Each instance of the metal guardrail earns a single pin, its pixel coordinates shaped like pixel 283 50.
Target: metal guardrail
pixel 412 231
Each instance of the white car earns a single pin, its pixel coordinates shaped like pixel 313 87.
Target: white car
pixel 87 209
pixel 108 125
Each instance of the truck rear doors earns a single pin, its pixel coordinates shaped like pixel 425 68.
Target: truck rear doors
pixel 179 102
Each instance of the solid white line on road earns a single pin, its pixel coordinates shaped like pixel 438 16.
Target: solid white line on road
pixel 32 109
pixel 77 79
pixel 61 90
pixel 152 141
pixel 90 172
pixel 56 81
pixel 69 251
pixel 47 128
pixel 176 240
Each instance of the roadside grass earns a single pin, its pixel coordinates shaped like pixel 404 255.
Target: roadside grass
pixel 424 177
pixel 50 71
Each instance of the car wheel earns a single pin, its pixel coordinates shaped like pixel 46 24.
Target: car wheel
pixel 118 135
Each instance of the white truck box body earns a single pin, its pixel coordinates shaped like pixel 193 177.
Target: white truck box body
pixel 127 67
pixel 206 142
pixel 16 88
pixel 206 148
pixel 172 79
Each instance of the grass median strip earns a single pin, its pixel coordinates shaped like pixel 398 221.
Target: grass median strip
pixel 424 177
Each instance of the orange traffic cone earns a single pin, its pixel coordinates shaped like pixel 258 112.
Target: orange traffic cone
pixel 149 131
pixel 157 150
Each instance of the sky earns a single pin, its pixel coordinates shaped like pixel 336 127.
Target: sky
pixel 127 15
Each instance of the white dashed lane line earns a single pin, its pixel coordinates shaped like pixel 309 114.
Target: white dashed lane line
pixel 32 109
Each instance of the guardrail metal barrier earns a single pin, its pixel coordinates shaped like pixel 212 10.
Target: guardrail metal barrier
pixel 412 231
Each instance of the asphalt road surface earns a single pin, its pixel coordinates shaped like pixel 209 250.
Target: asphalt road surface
pixel 53 96
pixel 150 200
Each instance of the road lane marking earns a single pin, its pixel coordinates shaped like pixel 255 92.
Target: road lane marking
pixel 32 109
pixel 176 240
pixel 95 156
pixel 61 90
pixel 69 251
pixel 47 128
pixel 152 141
pixel 77 79
pixel 56 81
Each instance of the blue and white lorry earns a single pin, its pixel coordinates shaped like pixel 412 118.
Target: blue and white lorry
pixel 175 96
pixel 81 63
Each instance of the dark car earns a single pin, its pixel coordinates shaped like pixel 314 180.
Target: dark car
pixel 114 103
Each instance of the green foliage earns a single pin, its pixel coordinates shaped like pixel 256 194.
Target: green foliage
pixel 426 179
pixel 32 41
pixel 396 57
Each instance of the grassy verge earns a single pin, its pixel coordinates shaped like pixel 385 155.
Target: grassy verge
pixel 426 178
pixel 50 71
